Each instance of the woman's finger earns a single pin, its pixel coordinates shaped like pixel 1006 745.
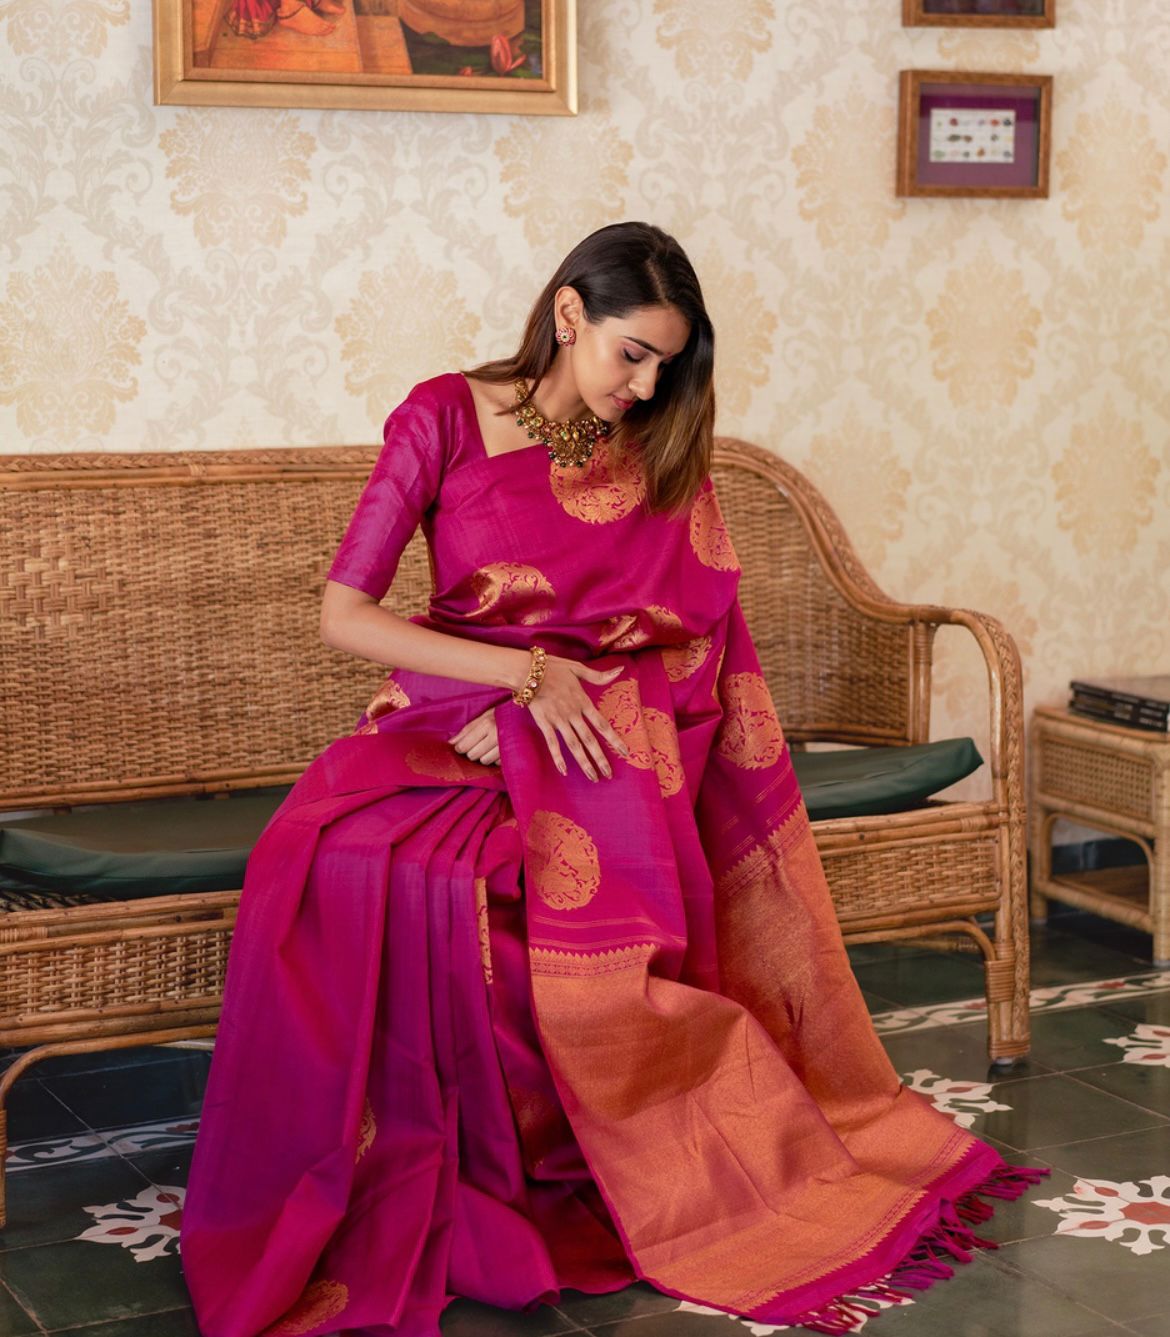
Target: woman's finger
pixel 599 676
pixel 574 746
pixel 554 746
pixel 606 730
pixel 593 747
pixel 492 756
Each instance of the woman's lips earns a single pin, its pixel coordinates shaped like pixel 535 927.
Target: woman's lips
pixel 622 404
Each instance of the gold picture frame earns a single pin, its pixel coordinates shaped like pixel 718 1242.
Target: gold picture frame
pixel 511 57
pixel 979 13
pixel 1001 125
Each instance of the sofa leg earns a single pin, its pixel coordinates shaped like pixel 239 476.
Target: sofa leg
pixel 3 1165
pixel 1008 1028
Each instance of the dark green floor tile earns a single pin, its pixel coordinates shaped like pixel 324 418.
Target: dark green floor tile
pixel 1060 958
pixel 65 1065
pixel 1022 1219
pixel 959 1052
pixel 174 1323
pixel 876 1003
pixel 1128 1156
pixel 915 981
pixel 868 953
pixel 1097 1273
pixel 168 1166
pixel 34 1112
pixel 1051 1110
pixel 78 1282
pixel 1105 932
pixel 674 1325
pixel 1151 1008
pixel 1075 1037
pixel 120 1096
pixel 45 1204
pixel 464 1318
pixel 1156 1326
pixel 14 1320
pixel 1145 1084
pixel 633 1302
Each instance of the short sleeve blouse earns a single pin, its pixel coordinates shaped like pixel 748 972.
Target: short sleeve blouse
pixel 401 488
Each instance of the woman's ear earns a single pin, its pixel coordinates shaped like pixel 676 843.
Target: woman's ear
pixel 567 306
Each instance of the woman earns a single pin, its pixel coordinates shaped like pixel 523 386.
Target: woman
pixel 583 1015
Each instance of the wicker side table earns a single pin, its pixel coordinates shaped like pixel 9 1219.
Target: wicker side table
pixel 1116 780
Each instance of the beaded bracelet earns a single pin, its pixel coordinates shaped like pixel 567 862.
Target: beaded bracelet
pixel 535 677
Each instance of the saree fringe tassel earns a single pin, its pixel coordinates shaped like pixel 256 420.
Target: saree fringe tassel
pixel 924 1265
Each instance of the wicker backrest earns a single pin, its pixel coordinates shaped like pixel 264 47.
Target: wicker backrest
pixel 159 617
pixel 833 672
pixel 159 620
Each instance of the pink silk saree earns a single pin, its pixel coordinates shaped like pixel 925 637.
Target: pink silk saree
pixel 491 1031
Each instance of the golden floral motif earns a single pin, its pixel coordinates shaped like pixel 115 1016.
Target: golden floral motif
pixel 988 49
pixel 366 1131
pixel 983 333
pixel 683 660
pixel 481 919
pixel 842 174
pixel 240 174
pixel 749 735
pixel 1113 177
pixel 649 733
pixel 626 631
pixel 319 1302
pixel 709 537
pixel 439 761
pixel 387 355
pixel 503 586
pixel 542 163
pixel 67 342
pixel 1105 483
pixel 59 30
pixel 857 467
pixel 563 861
pixel 389 697
pixel 707 37
pixel 608 488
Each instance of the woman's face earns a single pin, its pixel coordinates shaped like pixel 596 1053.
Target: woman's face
pixel 618 360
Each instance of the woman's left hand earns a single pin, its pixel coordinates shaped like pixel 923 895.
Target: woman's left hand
pixel 478 740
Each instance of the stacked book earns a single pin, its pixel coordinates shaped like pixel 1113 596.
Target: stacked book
pixel 1143 703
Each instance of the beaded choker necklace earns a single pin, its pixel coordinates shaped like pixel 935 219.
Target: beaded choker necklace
pixel 568 442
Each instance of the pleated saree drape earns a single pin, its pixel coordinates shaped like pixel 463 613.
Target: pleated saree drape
pixel 491 1031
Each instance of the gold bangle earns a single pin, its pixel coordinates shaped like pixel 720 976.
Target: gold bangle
pixel 534 679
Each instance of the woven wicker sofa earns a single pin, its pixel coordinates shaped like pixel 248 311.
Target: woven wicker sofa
pixel 159 618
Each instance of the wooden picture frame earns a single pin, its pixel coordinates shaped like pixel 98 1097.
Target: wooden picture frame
pixel 517 57
pixel 979 13
pixel 963 133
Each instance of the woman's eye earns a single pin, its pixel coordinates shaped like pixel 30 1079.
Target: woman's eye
pixel 628 358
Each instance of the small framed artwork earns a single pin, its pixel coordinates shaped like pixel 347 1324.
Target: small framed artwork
pixel 979 13
pixel 962 133
pixel 502 56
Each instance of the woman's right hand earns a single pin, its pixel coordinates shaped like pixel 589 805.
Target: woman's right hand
pixel 562 707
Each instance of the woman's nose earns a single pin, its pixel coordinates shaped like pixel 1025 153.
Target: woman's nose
pixel 642 383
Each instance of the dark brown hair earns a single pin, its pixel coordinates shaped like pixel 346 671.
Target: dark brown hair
pixel 616 270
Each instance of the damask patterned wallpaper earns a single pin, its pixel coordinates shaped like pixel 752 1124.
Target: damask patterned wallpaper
pixel 980 387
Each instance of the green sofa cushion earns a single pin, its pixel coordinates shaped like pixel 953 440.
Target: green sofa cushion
pixel 864 781
pixel 156 847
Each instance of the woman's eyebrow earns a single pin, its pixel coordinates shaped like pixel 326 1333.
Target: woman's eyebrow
pixel 634 339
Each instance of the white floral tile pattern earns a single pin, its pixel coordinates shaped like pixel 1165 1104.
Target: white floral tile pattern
pixel 963 1101
pixel 1146 1044
pixel 1134 1215
pixel 147 1224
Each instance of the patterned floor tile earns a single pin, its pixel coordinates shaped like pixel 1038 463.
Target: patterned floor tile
pixel 1098 1274
pixel 1077 1039
pixel 1054 1109
pixel 48 1206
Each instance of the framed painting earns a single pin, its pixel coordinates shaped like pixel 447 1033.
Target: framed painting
pixel 502 56
pixel 962 133
pixel 979 13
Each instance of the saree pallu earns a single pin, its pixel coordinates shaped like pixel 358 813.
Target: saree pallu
pixel 494 1031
